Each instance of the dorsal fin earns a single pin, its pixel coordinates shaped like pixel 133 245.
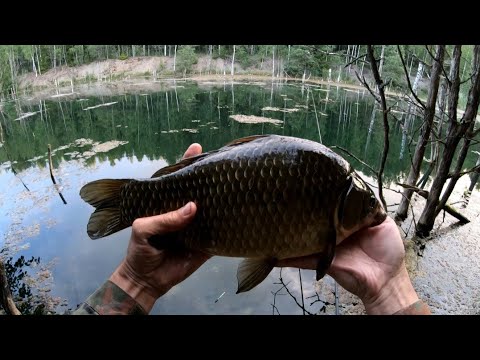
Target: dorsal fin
pixel 180 165
pixel 245 139
pixel 185 162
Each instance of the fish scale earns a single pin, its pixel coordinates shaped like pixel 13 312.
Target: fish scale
pixel 263 198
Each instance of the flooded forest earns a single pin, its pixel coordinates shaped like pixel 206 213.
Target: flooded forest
pixel 404 117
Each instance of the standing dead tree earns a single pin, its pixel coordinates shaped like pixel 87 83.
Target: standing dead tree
pixel 424 136
pixel 386 128
pixel 457 129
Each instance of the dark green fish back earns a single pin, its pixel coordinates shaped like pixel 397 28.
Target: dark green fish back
pixel 271 196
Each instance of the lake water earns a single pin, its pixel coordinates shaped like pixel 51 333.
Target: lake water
pixel 133 135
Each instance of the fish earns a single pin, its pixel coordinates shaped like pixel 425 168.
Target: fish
pixel 262 198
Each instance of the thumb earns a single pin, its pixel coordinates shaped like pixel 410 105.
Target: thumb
pixel 165 223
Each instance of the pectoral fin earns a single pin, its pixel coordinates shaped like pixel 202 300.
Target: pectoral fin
pixel 252 272
pixel 326 257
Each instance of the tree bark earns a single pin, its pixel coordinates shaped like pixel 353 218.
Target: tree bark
pixel 429 114
pixel 233 61
pixel 382 57
pixel 174 58
pixel 273 61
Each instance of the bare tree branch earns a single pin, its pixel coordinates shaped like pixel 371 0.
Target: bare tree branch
pixel 364 83
pixel 408 78
pixel 356 158
pixel 285 286
pixel 460 174
pixel 356 59
pixel 467 79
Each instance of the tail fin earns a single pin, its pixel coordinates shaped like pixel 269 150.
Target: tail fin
pixel 104 195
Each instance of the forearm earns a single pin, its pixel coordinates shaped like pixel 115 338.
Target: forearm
pixel 109 299
pixel 135 289
pixel 398 297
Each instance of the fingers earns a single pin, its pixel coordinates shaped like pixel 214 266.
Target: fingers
pixel 194 149
pixel 165 223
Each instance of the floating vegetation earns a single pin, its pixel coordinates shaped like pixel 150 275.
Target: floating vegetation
pixel 82 142
pixel 107 146
pixel 252 119
pixel 196 121
pixel 286 110
pixel 214 128
pixel 101 105
pixel 193 131
pixel 301 106
pixel 169 131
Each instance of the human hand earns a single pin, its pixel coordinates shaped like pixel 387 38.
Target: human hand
pixel 370 264
pixel 147 273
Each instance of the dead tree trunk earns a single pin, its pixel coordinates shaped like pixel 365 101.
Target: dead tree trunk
pixel 425 131
pixel 386 142
pixel 456 130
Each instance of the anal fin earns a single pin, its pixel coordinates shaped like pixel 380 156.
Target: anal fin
pixel 252 272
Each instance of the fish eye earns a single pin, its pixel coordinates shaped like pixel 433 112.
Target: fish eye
pixel 373 201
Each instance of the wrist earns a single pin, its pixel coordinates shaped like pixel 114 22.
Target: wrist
pixel 135 288
pixel 397 294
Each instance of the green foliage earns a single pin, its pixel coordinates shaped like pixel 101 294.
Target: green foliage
pixel 242 57
pixel 305 58
pixel 123 56
pixel 186 58
pixel 392 67
pixel 220 51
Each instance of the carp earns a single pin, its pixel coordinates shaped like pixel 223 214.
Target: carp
pixel 262 198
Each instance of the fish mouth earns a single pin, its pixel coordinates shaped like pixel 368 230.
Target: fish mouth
pixel 379 217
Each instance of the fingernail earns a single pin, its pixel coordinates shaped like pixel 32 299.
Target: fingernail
pixel 187 209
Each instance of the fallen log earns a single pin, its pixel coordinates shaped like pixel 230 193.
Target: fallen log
pixel 448 208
